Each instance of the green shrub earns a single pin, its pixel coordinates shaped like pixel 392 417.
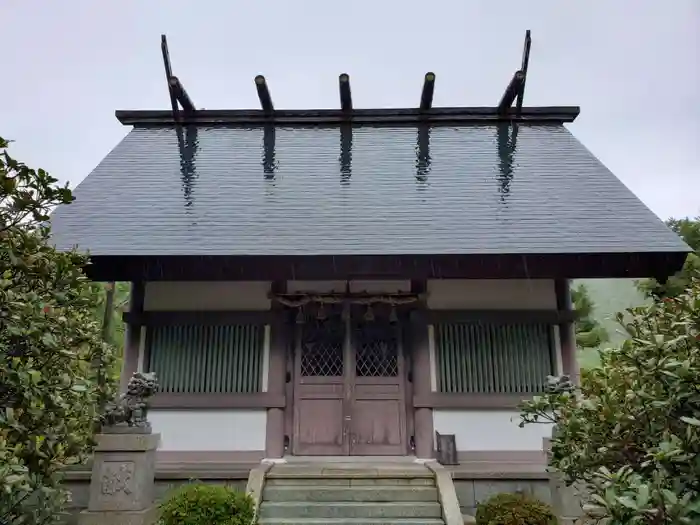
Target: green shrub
pixel 514 509
pixel 205 504
pixel 629 433
pixel 56 372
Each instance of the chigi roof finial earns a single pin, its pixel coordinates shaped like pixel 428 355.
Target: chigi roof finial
pixel 264 94
pixel 516 86
pixel 345 93
pixel 426 97
pixel 175 88
pixel 181 102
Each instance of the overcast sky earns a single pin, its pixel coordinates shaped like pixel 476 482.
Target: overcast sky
pixel 632 66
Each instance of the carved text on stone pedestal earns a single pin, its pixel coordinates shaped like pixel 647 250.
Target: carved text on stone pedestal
pixel 117 478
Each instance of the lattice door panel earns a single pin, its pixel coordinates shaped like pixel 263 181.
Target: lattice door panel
pixel 377 349
pixel 322 345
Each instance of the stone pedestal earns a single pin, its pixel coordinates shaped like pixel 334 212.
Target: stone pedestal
pixel 566 501
pixel 123 479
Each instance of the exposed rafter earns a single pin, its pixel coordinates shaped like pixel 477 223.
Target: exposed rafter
pixel 175 88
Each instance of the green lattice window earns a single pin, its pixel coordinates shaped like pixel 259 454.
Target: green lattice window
pixel 489 358
pixel 206 359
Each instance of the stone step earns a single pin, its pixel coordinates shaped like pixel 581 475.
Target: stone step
pixel 350 521
pixel 304 509
pixel 359 471
pixel 324 493
pixel 340 481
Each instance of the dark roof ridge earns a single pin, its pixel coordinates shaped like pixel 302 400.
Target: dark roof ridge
pixel 384 116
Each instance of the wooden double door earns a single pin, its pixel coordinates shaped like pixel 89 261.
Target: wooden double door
pixel 349 387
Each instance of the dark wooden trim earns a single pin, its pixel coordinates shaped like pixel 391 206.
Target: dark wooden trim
pixel 500 465
pixel 531 457
pixel 276 377
pixel 340 267
pixel 132 334
pixel 499 316
pixel 567 330
pixel 562 292
pixel 237 464
pixel 213 317
pixel 408 376
pixel 420 355
pixel 170 460
pixel 450 115
pixel 470 401
pixel 193 401
pixel 347 296
pixel 188 465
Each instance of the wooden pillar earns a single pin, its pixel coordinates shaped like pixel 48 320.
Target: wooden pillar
pixel 567 333
pixel 276 380
pixel 420 352
pixel 132 335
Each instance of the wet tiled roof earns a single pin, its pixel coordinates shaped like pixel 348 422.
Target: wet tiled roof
pixel 465 189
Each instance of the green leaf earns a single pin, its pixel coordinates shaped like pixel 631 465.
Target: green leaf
pixel 642 496
pixel 670 496
pixel 691 421
pixel 627 502
pixel 12 479
pixel 48 339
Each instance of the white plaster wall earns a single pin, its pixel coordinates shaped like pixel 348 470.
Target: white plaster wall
pixel 486 430
pixel 210 430
pixel 205 295
pixel 491 294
